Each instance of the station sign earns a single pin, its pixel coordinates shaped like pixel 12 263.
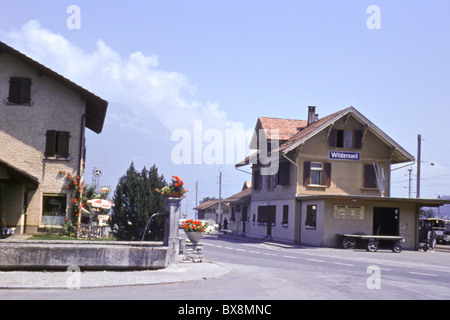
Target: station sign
pixel 343 155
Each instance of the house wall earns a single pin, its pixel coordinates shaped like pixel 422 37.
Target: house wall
pixel 282 232
pixel 347 176
pixel 279 196
pixel 328 226
pixel 23 132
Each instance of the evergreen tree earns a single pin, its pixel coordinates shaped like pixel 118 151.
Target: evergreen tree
pixel 135 202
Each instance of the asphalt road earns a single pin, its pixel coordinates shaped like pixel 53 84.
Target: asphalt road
pixel 262 271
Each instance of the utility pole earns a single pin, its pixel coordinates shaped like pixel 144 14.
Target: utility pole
pixel 196 193
pixel 409 185
pixel 220 197
pixel 419 160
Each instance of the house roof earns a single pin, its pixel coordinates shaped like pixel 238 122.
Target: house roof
pixel 286 127
pixel 242 196
pixel 303 134
pixel 96 107
pixel 209 203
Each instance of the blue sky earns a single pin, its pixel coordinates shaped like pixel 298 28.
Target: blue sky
pixel 163 65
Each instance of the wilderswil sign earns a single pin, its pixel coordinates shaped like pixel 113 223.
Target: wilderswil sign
pixel 342 155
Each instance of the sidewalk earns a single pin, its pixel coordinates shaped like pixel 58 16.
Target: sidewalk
pixel 176 273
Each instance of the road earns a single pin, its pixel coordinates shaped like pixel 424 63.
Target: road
pixel 262 271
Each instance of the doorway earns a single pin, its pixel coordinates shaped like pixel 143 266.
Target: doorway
pixel 386 221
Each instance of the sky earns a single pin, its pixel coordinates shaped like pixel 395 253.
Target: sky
pixel 208 67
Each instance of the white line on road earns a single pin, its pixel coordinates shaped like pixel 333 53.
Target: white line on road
pixel 269 254
pixel 242 250
pixel 424 274
pixel 344 264
pixel 290 257
pixel 315 260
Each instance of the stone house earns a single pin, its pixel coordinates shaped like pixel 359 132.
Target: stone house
pixel 332 176
pixel 43 117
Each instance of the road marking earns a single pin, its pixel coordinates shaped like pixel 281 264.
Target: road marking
pixel 255 252
pixel 228 248
pixel 242 250
pixel 269 254
pixel 424 274
pixel 290 257
pixel 344 264
pixel 315 260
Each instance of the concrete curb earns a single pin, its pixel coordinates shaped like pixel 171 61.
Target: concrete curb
pixel 73 279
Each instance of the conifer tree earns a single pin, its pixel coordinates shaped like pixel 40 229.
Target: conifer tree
pixel 135 201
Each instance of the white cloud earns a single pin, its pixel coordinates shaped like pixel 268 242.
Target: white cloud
pixel 134 81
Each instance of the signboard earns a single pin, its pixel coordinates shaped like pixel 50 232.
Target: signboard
pixel 342 155
pixel 103 220
pixel 105 190
pixel 349 212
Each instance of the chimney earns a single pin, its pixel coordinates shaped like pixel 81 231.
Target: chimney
pixel 312 117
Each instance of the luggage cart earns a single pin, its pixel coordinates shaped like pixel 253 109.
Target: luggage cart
pixel 371 242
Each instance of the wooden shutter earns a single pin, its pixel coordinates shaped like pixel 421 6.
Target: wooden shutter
pixel 283 174
pixel 370 180
pixel 14 90
pixel 306 173
pixel 63 144
pixel 357 139
pixel 25 90
pixel 327 176
pixel 50 143
pixel 257 180
pixel 19 90
pixel 332 138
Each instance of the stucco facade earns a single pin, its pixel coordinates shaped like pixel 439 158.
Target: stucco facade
pixel 29 175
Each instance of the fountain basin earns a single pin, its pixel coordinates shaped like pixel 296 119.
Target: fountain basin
pixel 87 255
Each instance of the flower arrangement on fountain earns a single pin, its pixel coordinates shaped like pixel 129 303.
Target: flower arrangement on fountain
pixel 175 189
pixel 194 226
pixel 194 229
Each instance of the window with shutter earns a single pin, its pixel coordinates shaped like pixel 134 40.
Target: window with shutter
pixel 370 179
pixel 19 90
pixel 345 139
pixel 57 144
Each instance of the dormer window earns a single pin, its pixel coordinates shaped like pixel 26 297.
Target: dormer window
pixel 19 91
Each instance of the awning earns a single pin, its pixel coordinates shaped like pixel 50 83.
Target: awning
pixel 356 198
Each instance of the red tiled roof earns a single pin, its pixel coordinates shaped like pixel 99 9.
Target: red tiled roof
pixel 286 127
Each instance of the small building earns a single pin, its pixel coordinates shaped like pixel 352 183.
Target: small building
pixel 43 117
pixel 209 210
pixel 320 177
pixel 239 204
